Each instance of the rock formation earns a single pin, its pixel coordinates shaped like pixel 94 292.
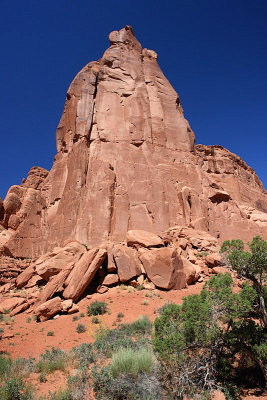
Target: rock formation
pixel 129 183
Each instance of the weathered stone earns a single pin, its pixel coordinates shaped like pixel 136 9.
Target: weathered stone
pixel 127 161
pixel 143 238
pixel 66 305
pixel 74 309
pixel 110 279
pixel 188 273
pixel 8 304
pixel 83 273
pixel 54 285
pixel 220 270
pixel 48 309
pixel 25 276
pixel 102 289
pixel 52 263
pixel 161 266
pixel 19 309
pixel 214 260
pixel 127 262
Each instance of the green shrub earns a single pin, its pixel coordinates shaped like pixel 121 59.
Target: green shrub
pixel 50 333
pixel 51 361
pixel 145 303
pixel 217 326
pixel 97 308
pixel 80 328
pixel 15 389
pixel 132 362
pixel 95 320
pixel 42 377
pixel 143 387
pixel 141 325
pixel 85 355
pixel 75 318
pixel 120 315
pixel 107 341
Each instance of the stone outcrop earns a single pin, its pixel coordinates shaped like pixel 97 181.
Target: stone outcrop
pixel 83 273
pixel 127 161
pixel 130 197
pixel 161 266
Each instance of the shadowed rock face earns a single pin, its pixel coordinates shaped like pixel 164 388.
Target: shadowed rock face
pixel 127 160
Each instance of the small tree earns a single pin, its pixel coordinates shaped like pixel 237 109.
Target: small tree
pixel 201 341
pixel 250 265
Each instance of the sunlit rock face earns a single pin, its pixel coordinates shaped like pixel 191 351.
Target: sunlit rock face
pixel 127 160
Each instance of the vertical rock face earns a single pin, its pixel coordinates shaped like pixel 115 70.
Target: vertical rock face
pixel 127 160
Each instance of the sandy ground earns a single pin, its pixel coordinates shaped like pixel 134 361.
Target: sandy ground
pixel 29 339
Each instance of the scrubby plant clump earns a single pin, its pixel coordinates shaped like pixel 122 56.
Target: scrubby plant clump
pixel 97 308
pixel 203 343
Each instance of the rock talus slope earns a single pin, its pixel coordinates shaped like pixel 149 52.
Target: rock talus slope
pixel 127 160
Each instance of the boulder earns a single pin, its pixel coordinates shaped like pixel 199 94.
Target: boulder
pixel 221 270
pixel 127 262
pixel 25 276
pixel 83 273
pixel 53 262
pixel 9 304
pixel 214 260
pixel 34 281
pixel 48 309
pixel 19 309
pixel 73 309
pixel 66 305
pixel 137 238
pixel 161 266
pixel 110 279
pixel 54 285
pixel 188 273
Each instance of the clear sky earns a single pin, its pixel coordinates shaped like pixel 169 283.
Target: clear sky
pixel 214 53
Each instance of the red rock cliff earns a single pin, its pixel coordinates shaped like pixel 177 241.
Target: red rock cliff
pixel 127 160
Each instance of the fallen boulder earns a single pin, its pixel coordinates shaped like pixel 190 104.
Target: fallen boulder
pixel 7 305
pixel 83 273
pixel 137 238
pixel 127 262
pixel 25 276
pixel 110 279
pixel 161 266
pixel 52 263
pixel 48 309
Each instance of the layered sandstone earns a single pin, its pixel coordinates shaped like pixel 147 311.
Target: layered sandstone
pixel 127 161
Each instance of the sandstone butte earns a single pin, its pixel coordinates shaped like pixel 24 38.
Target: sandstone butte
pixel 129 183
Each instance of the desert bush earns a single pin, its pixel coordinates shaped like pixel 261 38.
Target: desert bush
pixel 200 342
pixel 107 387
pixel 107 341
pixel 95 320
pixel 97 308
pixel 141 325
pixel 15 389
pixel 85 355
pixel 42 377
pixel 132 362
pixel 50 333
pixel 51 361
pixel 80 328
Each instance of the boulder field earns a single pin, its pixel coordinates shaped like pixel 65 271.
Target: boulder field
pixel 130 197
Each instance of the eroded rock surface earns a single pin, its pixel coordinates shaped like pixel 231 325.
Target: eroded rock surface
pixel 127 161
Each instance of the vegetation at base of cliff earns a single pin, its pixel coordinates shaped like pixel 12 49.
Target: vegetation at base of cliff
pixel 218 338
pixel 214 340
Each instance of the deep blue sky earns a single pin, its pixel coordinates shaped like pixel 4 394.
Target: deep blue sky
pixel 214 53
